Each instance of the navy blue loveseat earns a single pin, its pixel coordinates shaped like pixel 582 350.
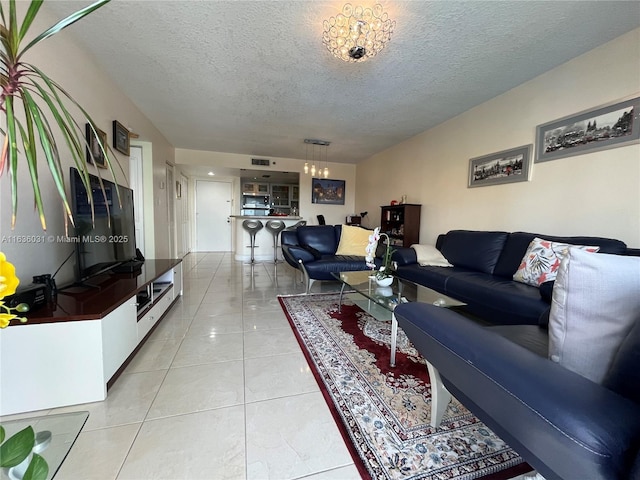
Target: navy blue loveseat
pixel 312 249
pixel 483 266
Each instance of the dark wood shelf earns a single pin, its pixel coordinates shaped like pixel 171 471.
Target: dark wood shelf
pixel 103 294
pixel 401 223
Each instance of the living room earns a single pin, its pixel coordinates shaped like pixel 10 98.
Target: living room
pixel 597 193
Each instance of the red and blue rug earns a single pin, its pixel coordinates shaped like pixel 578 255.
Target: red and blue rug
pixel 384 413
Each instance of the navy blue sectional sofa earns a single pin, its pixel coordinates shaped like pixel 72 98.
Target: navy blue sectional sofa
pixel 483 266
pixel 312 249
pixel 564 425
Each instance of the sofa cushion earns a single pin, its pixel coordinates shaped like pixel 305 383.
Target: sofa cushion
pixel 473 249
pixel 595 304
pixel 497 300
pixel 541 261
pixel 353 241
pixel 322 269
pixel 320 237
pixel 624 375
pixel 518 242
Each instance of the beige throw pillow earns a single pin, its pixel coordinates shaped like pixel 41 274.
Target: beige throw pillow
pixel 430 256
pixel 596 301
pixel 353 241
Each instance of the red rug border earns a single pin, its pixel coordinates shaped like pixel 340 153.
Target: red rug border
pixel 505 474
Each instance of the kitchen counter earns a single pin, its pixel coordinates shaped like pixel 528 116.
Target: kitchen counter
pixel 264 239
pixel 268 217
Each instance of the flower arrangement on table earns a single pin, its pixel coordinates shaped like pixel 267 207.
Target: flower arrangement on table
pixel 385 268
pixel 17 451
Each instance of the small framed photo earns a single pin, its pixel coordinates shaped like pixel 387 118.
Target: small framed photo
pixel 508 166
pixel 96 146
pixel 178 189
pixel 326 191
pixel 120 138
pixel 599 128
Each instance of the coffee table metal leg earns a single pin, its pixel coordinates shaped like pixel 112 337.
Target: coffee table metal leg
pixel 440 396
pixel 340 300
pixel 394 338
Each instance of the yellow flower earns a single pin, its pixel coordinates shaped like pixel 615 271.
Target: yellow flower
pixel 8 280
pixel 5 318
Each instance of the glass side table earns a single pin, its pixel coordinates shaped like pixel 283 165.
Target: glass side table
pixel 55 435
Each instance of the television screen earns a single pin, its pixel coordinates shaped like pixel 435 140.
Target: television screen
pixel 109 238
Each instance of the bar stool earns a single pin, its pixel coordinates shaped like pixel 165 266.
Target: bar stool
pixel 301 223
pixel 275 227
pixel 253 227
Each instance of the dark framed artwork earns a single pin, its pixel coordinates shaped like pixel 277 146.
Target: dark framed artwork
pixel 120 138
pixel 600 128
pixel 327 191
pixel 96 146
pixel 507 166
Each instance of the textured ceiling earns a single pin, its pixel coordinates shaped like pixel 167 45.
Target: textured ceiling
pixel 253 77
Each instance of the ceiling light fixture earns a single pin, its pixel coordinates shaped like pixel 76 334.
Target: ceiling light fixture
pixel 320 143
pixel 357 33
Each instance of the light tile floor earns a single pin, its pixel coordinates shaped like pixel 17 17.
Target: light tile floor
pixel 220 390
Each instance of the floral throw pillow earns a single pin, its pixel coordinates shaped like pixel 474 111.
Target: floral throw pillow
pixel 542 259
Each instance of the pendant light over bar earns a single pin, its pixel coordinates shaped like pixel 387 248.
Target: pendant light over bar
pixel 319 144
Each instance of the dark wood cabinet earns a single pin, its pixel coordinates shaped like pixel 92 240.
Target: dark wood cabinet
pixel 401 223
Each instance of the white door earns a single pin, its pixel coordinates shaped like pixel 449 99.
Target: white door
pixel 213 207
pixel 136 183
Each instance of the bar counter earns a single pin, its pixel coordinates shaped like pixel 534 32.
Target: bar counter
pixel 264 239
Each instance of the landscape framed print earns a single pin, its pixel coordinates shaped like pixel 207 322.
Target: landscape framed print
pixel 96 146
pixel 507 166
pixel 327 191
pixel 600 128
pixel 120 138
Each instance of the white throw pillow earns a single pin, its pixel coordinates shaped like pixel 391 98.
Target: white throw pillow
pixel 542 259
pixel 596 300
pixel 429 255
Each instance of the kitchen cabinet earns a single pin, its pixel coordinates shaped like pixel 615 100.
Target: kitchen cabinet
pixel 280 196
pixel 255 188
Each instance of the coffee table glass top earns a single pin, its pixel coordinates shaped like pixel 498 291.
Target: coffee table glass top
pixel 400 291
pixel 55 435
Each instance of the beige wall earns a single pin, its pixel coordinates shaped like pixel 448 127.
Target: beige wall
pixel 70 65
pixel 592 194
pixel 334 214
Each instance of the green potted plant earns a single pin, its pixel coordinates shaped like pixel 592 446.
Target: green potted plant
pixel 34 107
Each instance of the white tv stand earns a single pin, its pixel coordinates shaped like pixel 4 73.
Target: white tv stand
pixel 70 352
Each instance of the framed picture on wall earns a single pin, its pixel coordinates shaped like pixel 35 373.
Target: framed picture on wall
pixel 96 146
pixel 508 166
pixel 120 138
pixel 327 191
pixel 600 128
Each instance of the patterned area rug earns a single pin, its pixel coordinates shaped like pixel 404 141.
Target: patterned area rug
pixel 385 413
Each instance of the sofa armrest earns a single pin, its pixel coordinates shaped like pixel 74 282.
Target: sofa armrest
pixel 297 253
pixel 563 425
pixel 404 256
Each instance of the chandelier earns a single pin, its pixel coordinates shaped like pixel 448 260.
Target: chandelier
pixel 357 33
pixel 320 170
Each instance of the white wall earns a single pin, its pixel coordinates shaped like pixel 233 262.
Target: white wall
pixel 334 214
pixel 70 65
pixel 592 194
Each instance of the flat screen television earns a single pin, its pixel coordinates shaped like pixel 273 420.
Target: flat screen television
pixel 108 239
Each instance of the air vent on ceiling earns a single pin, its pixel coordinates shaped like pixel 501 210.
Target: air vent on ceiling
pixel 260 161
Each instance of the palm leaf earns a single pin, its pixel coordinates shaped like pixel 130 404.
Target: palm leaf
pixel 65 22
pixel 34 8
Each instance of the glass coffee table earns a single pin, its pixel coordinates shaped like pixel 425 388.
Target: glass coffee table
pixel 55 435
pixel 400 291
pixel 388 298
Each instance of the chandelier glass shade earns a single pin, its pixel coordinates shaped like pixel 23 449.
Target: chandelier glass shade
pixel 357 33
